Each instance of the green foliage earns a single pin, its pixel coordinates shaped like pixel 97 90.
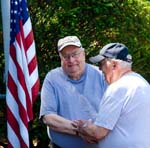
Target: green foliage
pixel 96 23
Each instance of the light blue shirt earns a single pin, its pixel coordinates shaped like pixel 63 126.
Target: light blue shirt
pixel 125 111
pixel 72 99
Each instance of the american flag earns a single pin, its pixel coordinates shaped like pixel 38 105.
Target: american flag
pixel 23 79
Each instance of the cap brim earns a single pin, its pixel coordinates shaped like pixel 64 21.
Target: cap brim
pixel 96 59
pixel 68 44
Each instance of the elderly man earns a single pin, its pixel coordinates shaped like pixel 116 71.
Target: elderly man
pixel 123 120
pixel 70 93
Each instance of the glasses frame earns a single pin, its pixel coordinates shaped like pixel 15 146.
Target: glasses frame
pixel 74 55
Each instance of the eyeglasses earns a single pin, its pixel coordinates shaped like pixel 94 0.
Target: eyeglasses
pixel 74 55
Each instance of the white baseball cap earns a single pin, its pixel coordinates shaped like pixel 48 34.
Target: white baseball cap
pixel 68 40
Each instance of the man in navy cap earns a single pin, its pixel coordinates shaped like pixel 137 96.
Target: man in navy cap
pixel 123 120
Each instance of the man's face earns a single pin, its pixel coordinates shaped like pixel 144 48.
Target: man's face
pixel 73 61
pixel 106 66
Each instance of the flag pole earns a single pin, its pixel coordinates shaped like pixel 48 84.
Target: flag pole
pixel 5 8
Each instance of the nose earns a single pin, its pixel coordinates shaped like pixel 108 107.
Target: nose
pixel 71 58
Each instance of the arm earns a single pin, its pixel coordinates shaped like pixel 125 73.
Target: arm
pixel 88 129
pixel 59 124
pixel 100 132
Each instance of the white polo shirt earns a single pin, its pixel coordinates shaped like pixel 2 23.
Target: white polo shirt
pixel 125 111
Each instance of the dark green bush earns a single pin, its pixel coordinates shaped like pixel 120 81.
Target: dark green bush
pixel 96 23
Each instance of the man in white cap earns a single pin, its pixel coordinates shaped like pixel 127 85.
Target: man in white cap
pixel 123 120
pixel 70 93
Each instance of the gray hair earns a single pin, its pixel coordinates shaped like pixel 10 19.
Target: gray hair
pixel 123 64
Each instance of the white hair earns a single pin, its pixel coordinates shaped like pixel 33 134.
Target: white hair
pixel 123 64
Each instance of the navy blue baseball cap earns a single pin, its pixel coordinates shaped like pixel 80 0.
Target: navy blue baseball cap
pixel 112 51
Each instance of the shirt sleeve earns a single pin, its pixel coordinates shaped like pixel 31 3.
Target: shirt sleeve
pixel 48 98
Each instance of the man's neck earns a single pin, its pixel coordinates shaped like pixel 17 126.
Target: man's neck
pixel 120 73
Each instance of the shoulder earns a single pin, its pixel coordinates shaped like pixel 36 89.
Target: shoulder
pixel 120 87
pixel 137 78
pixel 57 70
pixel 54 74
pixel 93 72
pixel 93 68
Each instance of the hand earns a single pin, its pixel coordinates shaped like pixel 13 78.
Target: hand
pixel 83 128
pixel 89 139
pixel 76 125
pixel 74 128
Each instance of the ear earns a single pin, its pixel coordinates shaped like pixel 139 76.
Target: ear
pixel 114 65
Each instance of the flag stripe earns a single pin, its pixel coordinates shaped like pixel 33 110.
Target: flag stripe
pixel 29 39
pixel 32 65
pixel 27 27
pixel 15 141
pixel 21 79
pixel 13 90
pixel 30 52
pixel 15 115
pixel 15 127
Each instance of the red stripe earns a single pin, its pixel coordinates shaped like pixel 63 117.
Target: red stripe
pixel 29 40
pixel 35 89
pixel 32 65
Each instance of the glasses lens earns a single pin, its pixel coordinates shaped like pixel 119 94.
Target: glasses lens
pixel 73 55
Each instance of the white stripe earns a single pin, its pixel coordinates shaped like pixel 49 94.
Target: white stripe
pixel 13 139
pixel 27 27
pixel 24 133
pixel 34 76
pixel 31 52
pixel 12 69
